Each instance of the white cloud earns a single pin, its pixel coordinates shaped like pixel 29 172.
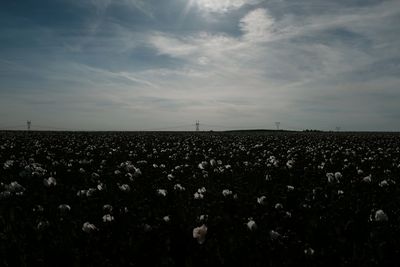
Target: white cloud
pixel 257 25
pixel 222 6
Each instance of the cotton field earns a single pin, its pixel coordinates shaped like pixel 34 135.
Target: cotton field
pixel 204 199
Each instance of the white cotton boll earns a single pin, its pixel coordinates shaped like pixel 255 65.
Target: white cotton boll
pixel 178 187
pixel 178 167
pixel 51 181
pixel 100 187
pixel 213 163
pixel 117 172
pixel 137 173
pixel 8 164
pixel 367 179
pixel 42 225
pixel 202 190
pixel 81 193
pixel 82 170
pixel 203 218
pixel 331 177
pixel 199 233
pixel 89 228
pixel 5 194
pixel 359 171
pixel 268 177
pixel 289 164
pixel 170 177
pixel 64 208
pixel 274 235
pixel 162 192
pixel 125 188
pixel 288 215
pixel 108 218
pixel 309 251
pixel 202 165
pixel 380 216
pixel 384 183
pixel 278 206
pixel 14 187
pixel 198 195
pixel 226 192
pixel 166 218
pixel 251 225
pixel 124 210
pixel 228 167
pixel 340 192
pixel 38 208
pixel 262 200
pixel 338 175
pixel 90 192
pixel 290 188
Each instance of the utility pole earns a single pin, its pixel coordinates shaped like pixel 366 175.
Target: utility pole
pixel 278 123
pixel 28 125
pixel 197 126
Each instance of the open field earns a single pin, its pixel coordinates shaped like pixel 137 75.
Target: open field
pixel 259 199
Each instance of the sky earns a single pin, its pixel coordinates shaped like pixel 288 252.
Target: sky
pixel 231 64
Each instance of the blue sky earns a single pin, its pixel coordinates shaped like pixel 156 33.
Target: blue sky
pixel 144 64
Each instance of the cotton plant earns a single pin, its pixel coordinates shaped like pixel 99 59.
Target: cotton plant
pixel 198 195
pixel 8 164
pixel 89 228
pixel 199 233
pixel 162 192
pixel 226 192
pixel 262 200
pixel 379 216
pixel 167 218
pixel 274 235
pixel 367 179
pixel 50 182
pixel 107 218
pixel 383 183
pixel 290 164
pixel 332 178
pixel 179 187
pixel 251 224
pixel 14 187
pixel 124 188
pixel 203 218
pixel 64 208
pixel 290 188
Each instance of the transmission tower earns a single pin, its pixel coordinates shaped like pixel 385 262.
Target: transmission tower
pixel 28 125
pixel 197 126
pixel 278 123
